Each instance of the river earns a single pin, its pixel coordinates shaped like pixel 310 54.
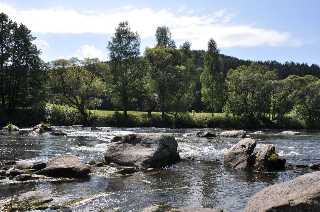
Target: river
pixel 203 182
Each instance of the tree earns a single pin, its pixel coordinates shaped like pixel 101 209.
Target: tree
pixel 306 97
pixel 73 85
pixel 185 77
pixel 164 37
pixel 124 50
pixel 22 73
pixel 250 90
pixel 161 73
pixel 213 83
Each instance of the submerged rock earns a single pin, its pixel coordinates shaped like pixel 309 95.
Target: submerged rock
pixel 206 134
pixel 268 159
pixel 29 201
pixel 59 133
pixel 22 177
pixel 191 209
pixel 314 166
pixel 238 156
pixel 234 134
pixel 299 194
pixel 143 151
pixel 65 166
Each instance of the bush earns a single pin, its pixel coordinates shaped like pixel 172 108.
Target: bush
pixel 62 115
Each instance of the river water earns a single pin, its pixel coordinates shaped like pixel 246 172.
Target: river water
pixel 203 182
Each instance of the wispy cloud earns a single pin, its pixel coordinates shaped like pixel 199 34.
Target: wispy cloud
pixel 184 26
pixel 87 51
pixel 41 44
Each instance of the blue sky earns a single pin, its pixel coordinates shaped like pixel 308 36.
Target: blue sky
pixel 282 30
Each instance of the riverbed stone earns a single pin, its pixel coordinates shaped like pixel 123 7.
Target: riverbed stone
pixel 268 160
pixel 58 133
pixel 206 134
pixel 39 166
pixel 299 194
pixel 143 151
pixel 15 172
pixel 314 166
pixel 238 156
pixel 192 209
pixel 288 132
pixel 29 201
pixel 234 134
pixel 13 128
pixel 22 177
pixel 23 165
pixel 65 166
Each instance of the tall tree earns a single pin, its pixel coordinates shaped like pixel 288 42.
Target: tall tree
pixel 164 37
pixel 161 72
pixel 185 77
pixel 73 85
pixel 124 50
pixel 212 79
pixel 22 74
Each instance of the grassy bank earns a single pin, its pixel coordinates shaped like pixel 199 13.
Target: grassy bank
pixel 188 120
pixel 65 116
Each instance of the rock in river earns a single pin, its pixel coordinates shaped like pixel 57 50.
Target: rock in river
pixel 143 151
pixel 234 134
pixel 290 133
pixel 299 194
pixel 238 156
pixel 65 166
pixel 268 159
pixel 206 134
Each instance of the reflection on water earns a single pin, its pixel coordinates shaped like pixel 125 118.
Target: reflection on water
pixel 203 182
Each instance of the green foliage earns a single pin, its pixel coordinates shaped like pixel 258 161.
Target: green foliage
pixel 62 115
pixel 9 125
pixel 161 74
pixel 164 37
pixel 75 86
pixel 124 50
pixel 212 79
pixel 22 73
pixel 250 90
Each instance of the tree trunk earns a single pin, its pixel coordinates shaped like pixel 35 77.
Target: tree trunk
pixel 149 114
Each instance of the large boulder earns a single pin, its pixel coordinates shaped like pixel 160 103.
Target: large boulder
pixel 234 134
pixel 239 155
pixel 268 159
pixel 65 166
pixel 143 151
pixel 299 194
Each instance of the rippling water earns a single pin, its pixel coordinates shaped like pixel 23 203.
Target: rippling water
pixel 204 182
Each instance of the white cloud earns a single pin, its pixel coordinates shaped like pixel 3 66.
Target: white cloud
pixel 187 27
pixel 87 51
pixel 41 44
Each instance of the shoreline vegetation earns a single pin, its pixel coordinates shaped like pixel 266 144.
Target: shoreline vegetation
pixel 57 115
pixel 172 84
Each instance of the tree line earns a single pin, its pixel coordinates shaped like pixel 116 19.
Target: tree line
pixel 164 78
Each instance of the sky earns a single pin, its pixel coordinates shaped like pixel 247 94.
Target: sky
pixel 281 30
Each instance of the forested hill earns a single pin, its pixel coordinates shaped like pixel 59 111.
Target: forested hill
pixel 283 69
